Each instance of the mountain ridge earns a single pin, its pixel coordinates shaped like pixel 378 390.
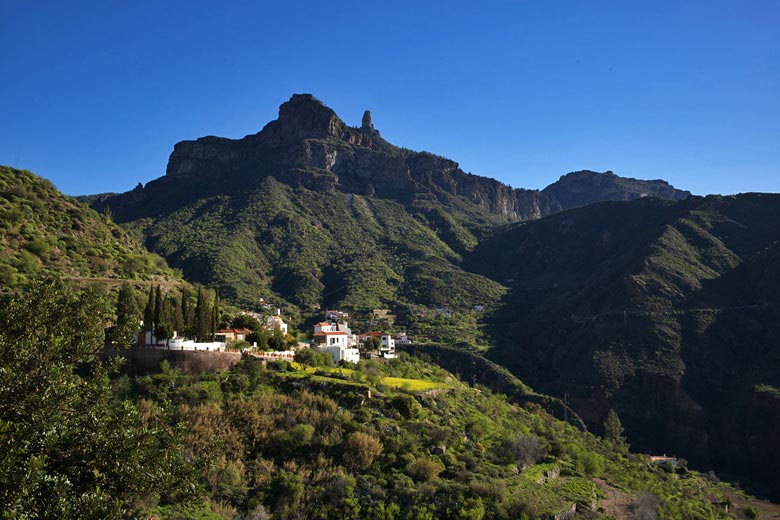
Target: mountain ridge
pixel 665 311
pixel 347 199
pixel 309 146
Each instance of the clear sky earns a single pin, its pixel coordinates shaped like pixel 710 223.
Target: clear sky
pixel 95 94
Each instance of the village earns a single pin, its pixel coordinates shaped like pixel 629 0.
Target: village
pixel 332 335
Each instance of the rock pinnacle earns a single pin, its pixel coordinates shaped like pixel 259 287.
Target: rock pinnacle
pixel 367 123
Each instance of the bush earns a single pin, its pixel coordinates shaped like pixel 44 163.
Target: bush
pixel 361 449
pixel 424 470
pixel 525 450
pixel 39 247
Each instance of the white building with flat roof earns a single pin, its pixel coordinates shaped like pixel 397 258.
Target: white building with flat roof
pixel 387 347
pixel 343 353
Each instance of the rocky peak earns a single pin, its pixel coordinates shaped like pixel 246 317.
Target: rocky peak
pixel 587 187
pixel 304 117
pixel 367 124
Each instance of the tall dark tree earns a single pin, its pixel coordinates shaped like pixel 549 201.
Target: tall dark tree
pixel 159 309
pixel 187 314
pixel 613 428
pixel 126 326
pixel 149 310
pixel 202 316
pixel 176 318
pixel 215 315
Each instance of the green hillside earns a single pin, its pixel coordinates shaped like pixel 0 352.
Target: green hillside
pixel 665 311
pixel 401 439
pixel 311 211
pixel 43 233
pixel 312 248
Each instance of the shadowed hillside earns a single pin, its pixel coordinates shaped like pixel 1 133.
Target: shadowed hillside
pixel 665 311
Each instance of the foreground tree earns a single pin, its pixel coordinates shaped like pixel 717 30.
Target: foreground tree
pixel 68 448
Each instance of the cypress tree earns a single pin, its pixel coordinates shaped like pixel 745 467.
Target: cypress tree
pixel 176 317
pixel 201 316
pixel 126 327
pixel 215 315
pixel 158 308
pixel 149 310
pixel 186 314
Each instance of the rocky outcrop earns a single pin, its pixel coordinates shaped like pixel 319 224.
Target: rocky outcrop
pixel 309 146
pixel 587 187
pixel 367 124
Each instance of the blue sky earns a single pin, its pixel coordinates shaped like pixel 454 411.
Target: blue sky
pixel 95 94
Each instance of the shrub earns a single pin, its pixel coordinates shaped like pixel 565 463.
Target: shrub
pixel 523 449
pixel 361 449
pixel 424 470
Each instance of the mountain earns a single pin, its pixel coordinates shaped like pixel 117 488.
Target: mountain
pixel 43 232
pixel 310 211
pixel 587 187
pixel 667 312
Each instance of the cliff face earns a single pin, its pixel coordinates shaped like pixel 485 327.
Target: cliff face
pixel 309 146
pixel 587 187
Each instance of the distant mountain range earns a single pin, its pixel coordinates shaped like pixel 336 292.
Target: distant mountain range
pixel 314 211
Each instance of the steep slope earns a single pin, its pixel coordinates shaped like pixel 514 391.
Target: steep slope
pixel 314 248
pixel 451 451
pixel 43 232
pixel 665 311
pixel 314 211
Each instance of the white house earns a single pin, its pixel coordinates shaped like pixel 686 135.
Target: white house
pixel 336 315
pixel 387 348
pixel 334 338
pixel 188 344
pixel 402 339
pixel 324 326
pixel 275 322
pixel 352 339
pixel 342 353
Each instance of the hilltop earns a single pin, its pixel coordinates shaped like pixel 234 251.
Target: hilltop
pixel 45 233
pixel 313 211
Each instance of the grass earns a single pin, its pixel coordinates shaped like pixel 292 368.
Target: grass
pixel 347 377
pixel 412 385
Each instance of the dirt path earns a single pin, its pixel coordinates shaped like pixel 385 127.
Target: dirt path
pixel 764 508
pixel 120 281
pixel 617 503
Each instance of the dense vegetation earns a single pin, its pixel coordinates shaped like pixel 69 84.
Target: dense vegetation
pixel 68 447
pixel 43 232
pixel 309 248
pixel 668 312
pixel 82 441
